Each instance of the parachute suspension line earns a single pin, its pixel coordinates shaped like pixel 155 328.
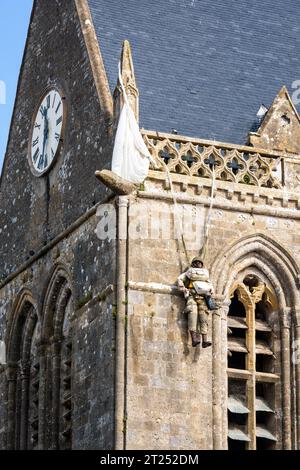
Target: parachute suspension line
pixel 207 227
pixel 177 219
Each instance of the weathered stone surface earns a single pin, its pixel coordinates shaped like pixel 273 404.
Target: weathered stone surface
pixel 114 182
pixel 174 396
pixel 33 211
pixel 170 384
pixel 280 129
pixel 92 327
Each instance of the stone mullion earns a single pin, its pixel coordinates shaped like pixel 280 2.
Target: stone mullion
pixel 42 444
pixel 297 391
pixel 34 385
pixel 293 393
pixel 295 359
pixel 219 350
pixel 65 436
pixel 56 365
pixel 11 405
pixel 25 371
pixel 223 375
pixel 286 379
pixel 216 380
pixel 251 366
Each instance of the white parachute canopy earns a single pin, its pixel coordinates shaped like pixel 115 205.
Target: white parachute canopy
pixel 131 156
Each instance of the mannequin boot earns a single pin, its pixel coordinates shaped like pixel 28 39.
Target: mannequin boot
pixel 195 338
pixel 205 342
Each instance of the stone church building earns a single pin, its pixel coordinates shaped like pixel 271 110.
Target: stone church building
pixel 95 351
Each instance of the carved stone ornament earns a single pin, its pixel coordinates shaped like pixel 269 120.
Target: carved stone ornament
pixel 280 129
pixel 129 82
pixel 257 293
pixel 237 165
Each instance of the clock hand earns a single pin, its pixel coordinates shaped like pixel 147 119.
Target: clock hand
pixel 46 132
pixel 46 141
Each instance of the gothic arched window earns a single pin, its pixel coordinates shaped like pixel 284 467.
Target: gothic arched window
pixel 57 365
pixel 23 379
pixel 254 395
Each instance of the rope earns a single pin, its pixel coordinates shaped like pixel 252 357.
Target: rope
pixel 205 243
pixel 178 225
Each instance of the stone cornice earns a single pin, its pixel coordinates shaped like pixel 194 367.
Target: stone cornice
pixel 228 197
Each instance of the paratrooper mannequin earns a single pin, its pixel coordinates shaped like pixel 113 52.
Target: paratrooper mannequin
pixel 197 289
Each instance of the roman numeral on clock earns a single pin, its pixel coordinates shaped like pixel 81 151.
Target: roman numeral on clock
pixel 35 155
pixel 57 136
pixel 43 110
pixel 48 101
pixel 41 162
pixel 53 103
pixel 58 106
pixel 35 142
pixel 59 120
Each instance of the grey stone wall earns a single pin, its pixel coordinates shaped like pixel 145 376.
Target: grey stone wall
pixel 176 394
pixel 90 265
pixel 34 210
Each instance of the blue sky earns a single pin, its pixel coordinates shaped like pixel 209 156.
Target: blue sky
pixel 14 20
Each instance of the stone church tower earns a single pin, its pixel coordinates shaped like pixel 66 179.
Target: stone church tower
pixel 95 352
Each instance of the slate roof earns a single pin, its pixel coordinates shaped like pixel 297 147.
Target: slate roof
pixel 202 67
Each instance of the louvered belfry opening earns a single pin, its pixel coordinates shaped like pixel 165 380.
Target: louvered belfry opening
pixel 253 368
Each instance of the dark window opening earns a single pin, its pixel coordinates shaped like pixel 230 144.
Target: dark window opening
pixel 260 311
pixel 251 281
pixel 236 445
pixel 265 364
pixel 236 360
pixel 238 333
pixel 237 387
pixel 264 444
pixel 264 336
pixel 236 308
pixel 237 418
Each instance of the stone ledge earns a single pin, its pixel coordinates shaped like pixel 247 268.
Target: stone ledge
pixel 100 297
pixel 154 287
pixel 243 205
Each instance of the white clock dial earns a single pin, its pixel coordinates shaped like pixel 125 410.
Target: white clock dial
pixel 47 131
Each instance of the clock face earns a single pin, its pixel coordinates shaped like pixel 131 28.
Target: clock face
pixel 47 132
